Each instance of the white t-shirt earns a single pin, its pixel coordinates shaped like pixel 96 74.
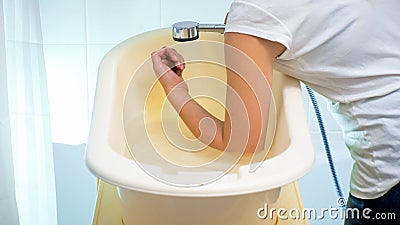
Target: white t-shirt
pixel 348 51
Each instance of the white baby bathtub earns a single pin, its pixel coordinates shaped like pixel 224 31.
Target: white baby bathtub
pixel 123 105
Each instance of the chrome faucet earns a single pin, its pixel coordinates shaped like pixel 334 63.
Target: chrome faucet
pixel 189 30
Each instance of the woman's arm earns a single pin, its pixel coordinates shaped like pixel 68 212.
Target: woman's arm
pixel 248 94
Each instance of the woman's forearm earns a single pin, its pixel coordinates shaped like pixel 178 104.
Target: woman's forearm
pixel 203 125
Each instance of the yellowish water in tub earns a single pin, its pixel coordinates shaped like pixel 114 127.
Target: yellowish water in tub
pixel 162 122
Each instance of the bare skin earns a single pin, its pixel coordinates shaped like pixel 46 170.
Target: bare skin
pixel 209 129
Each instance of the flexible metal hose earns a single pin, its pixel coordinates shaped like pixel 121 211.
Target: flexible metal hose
pixel 341 201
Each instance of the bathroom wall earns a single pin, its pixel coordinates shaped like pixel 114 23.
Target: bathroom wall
pixel 77 34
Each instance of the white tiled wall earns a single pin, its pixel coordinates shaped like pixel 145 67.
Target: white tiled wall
pixel 78 33
pixel 63 22
pixel 205 11
pixel 113 21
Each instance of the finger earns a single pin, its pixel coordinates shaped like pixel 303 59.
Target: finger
pixel 166 59
pixel 159 66
pixel 180 59
pixel 176 57
pixel 160 57
pixel 168 63
pixel 158 54
pixel 172 55
pixel 161 53
pixel 181 62
pixel 155 57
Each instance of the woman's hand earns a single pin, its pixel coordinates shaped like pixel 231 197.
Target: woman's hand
pixel 168 65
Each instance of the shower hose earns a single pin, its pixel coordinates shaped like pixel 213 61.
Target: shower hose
pixel 341 201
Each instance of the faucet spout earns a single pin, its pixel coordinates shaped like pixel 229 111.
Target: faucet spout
pixel 189 30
